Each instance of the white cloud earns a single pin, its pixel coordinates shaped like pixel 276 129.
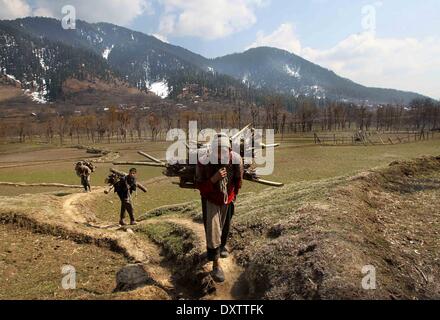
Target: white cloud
pixel 208 20
pixel 167 24
pixel 13 9
pixel 283 38
pixel 120 12
pixel 43 12
pixel 406 64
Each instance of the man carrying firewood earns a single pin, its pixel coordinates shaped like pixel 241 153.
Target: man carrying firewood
pixel 83 170
pixel 219 180
pixel 125 188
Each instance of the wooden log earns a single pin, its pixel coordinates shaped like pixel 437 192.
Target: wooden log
pixel 23 184
pixel 240 132
pixel 148 164
pixel 189 185
pixel 142 188
pixel 109 190
pixel 265 182
pixel 266 146
pixel 146 155
pixel 121 173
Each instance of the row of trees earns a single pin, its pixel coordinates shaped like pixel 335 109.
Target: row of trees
pixel 420 115
pixel 307 116
pixel 135 124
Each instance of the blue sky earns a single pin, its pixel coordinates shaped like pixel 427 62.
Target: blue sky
pixel 319 23
pixel 383 43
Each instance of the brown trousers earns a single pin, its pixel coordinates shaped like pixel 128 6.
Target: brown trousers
pixel 217 221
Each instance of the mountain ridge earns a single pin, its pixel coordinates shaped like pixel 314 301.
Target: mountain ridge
pixel 144 61
pixel 321 79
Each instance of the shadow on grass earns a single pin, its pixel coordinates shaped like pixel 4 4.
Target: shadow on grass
pixel 63 194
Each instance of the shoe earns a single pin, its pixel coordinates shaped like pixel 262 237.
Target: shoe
pixel 133 223
pixel 224 253
pixel 122 223
pixel 218 274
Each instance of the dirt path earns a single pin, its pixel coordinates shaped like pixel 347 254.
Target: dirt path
pixel 70 205
pixel 234 287
pixel 149 253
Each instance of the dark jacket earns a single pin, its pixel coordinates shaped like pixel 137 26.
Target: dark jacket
pixel 125 187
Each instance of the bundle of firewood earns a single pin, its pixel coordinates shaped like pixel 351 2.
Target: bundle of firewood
pixel 115 176
pixel 187 172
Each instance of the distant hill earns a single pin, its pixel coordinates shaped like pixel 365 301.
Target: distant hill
pixel 41 65
pixel 288 73
pixel 40 54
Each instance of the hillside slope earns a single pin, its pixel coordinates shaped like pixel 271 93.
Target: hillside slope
pixel 311 241
pixel 41 65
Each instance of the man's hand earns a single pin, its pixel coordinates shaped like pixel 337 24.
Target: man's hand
pixel 219 175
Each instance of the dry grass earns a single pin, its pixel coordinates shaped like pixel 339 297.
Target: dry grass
pixel 313 243
pixel 9 92
pixel 30 266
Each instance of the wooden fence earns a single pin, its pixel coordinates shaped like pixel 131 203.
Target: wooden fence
pixel 364 138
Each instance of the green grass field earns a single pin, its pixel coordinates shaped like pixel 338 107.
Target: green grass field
pixel 293 163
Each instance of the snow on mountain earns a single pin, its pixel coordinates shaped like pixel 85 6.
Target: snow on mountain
pixel 107 52
pixel 11 77
pixel 160 88
pixel 39 54
pixel 39 95
pixel 294 72
pixel 36 96
pixel 245 79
